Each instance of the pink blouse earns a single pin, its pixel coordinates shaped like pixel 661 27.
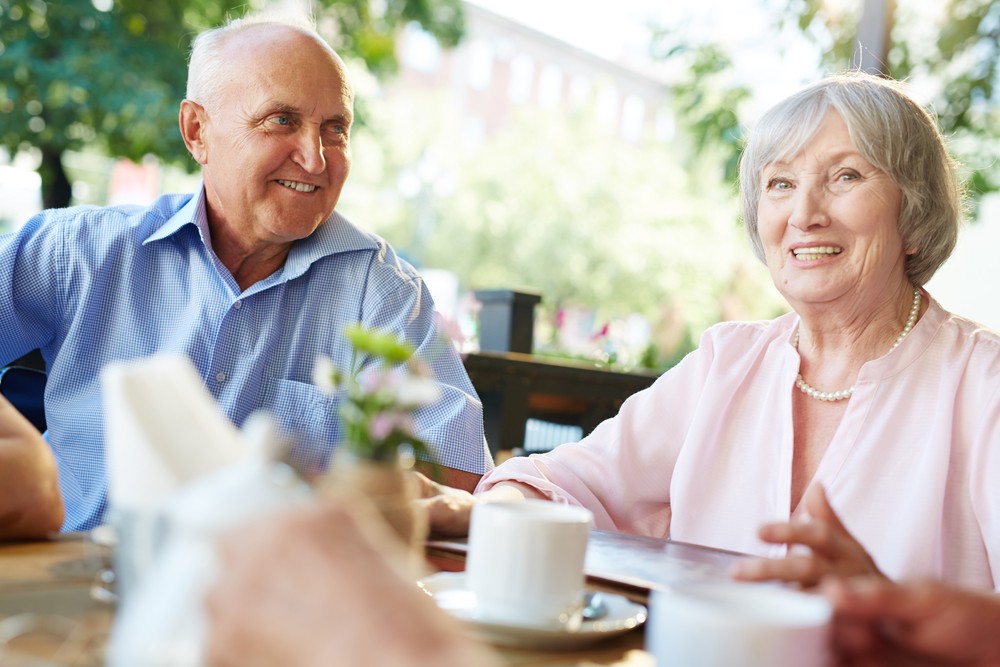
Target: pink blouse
pixel 705 454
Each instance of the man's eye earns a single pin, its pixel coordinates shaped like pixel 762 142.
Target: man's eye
pixel 281 120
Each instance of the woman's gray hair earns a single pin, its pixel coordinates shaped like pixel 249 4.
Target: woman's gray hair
pixel 892 132
pixel 207 64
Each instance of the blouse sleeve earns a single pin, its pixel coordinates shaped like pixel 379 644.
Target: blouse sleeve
pixel 621 471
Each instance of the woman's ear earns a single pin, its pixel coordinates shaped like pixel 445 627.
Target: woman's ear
pixel 192 120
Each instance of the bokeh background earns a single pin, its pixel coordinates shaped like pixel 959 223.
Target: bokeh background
pixel 581 149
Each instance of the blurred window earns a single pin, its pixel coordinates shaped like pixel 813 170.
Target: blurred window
pixel 633 117
pixel 522 71
pixel 420 50
pixel 550 83
pixel 480 64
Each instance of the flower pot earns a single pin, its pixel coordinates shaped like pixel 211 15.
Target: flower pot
pixel 388 487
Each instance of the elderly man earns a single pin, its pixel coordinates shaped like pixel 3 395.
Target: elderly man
pixel 252 277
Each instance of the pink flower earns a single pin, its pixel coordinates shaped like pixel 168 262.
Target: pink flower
pixel 384 424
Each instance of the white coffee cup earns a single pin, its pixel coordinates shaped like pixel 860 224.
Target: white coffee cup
pixel 525 562
pixel 730 624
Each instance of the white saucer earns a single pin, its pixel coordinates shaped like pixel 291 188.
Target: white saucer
pixel 449 591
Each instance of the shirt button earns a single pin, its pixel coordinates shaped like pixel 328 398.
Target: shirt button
pixel 220 377
pixel 238 305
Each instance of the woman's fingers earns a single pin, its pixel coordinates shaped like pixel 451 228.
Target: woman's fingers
pixel 832 548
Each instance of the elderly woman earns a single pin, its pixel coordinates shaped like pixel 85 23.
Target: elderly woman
pixel 869 398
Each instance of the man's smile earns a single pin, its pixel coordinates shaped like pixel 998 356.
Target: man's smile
pixel 298 187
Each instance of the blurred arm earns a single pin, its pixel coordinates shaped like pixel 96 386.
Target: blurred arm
pixel 328 585
pixel 31 504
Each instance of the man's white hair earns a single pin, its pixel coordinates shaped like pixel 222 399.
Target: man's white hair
pixel 207 64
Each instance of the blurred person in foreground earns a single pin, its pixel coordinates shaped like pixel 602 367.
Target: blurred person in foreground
pixel 253 276
pixel 30 502
pixel 328 585
pixel 858 434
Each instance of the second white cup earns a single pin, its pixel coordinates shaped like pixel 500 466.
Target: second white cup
pixel 730 624
pixel 525 562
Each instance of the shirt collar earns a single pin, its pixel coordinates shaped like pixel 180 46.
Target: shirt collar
pixel 336 235
pixel 192 213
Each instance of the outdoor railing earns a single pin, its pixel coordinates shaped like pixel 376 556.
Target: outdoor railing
pixel 515 385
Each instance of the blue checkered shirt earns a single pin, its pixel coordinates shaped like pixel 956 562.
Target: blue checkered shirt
pixel 92 285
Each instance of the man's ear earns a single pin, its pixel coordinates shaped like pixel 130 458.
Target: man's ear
pixel 192 120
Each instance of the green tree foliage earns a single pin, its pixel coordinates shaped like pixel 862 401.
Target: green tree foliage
pixel 952 57
pixel 560 205
pixel 111 74
pixel 956 54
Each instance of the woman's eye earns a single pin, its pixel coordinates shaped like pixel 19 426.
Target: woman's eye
pixel 778 184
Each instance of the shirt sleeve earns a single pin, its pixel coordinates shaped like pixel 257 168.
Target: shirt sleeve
pixel 452 426
pixel 29 290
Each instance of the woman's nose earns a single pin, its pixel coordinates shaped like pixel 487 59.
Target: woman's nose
pixel 808 208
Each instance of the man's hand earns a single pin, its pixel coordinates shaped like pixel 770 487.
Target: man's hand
pixel 448 509
pixel 834 551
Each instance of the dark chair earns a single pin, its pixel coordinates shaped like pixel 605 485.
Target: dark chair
pixel 25 388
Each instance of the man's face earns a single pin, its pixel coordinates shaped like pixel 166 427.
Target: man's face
pixel 276 144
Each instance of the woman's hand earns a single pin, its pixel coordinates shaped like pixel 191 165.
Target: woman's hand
pixel 879 623
pixel 834 551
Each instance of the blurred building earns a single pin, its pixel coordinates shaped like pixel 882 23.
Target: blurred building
pixel 502 65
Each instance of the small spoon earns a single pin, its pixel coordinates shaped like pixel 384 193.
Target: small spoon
pixel 594 606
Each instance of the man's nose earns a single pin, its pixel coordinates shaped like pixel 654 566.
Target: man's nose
pixel 309 151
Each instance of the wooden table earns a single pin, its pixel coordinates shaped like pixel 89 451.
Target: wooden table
pixel 54 579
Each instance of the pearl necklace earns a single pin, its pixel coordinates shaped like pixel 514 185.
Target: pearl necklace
pixel 812 392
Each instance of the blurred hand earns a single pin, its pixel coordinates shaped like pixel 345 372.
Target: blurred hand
pixel 833 550
pixel 325 586
pixel 448 509
pixel 879 623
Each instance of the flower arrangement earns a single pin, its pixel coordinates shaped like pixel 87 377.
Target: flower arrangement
pixel 378 405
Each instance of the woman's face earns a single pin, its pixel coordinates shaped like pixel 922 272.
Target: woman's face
pixel 828 221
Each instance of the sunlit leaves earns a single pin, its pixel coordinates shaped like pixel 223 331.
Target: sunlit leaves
pixel 120 68
pixel 961 62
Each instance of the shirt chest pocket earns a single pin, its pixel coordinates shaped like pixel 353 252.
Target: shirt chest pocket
pixel 309 417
